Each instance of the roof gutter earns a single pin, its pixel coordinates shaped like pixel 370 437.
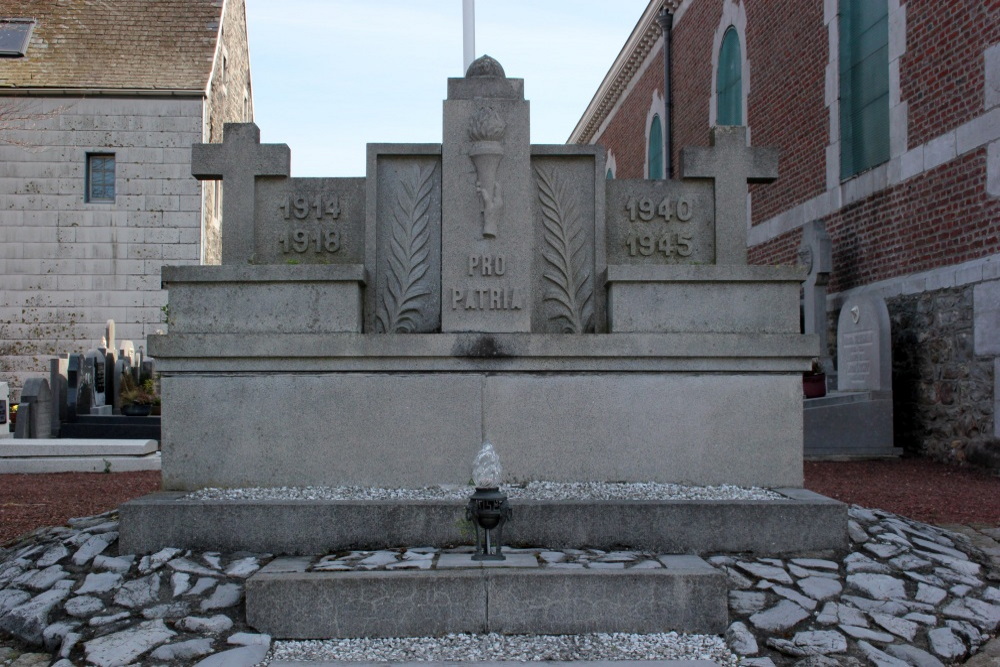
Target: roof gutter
pixel 645 23
pixel 10 91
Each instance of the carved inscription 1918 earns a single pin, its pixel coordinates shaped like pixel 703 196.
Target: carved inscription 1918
pixel 660 222
pixel 310 221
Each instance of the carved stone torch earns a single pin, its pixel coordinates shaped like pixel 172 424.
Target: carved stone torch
pixel 488 508
pixel 486 130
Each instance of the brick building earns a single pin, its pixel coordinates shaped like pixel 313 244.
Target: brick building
pixel 99 105
pixel 887 115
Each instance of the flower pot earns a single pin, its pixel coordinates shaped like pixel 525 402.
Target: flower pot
pixel 136 410
pixel 814 386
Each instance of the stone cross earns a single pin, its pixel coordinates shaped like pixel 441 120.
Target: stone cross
pixel 816 255
pixel 238 161
pixel 731 164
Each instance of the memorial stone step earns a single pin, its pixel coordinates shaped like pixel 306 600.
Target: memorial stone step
pixel 437 592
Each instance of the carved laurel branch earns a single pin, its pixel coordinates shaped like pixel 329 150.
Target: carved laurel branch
pixel 409 251
pixel 566 255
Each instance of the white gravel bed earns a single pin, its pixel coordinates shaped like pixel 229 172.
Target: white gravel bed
pixel 496 647
pixel 531 491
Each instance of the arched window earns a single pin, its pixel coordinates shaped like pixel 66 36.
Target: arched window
pixel 655 149
pixel 864 85
pixel 610 175
pixel 729 84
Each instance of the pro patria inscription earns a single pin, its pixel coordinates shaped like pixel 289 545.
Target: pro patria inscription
pixel 498 296
pixel 309 221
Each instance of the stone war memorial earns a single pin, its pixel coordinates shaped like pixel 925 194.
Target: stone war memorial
pixel 376 331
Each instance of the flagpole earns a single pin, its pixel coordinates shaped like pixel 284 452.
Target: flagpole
pixel 468 32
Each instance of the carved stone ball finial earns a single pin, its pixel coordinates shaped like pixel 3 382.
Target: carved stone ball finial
pixel 485 66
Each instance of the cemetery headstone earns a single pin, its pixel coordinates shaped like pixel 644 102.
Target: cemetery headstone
pixel 5 410
pixel 122 366
pixel 59 386
pixel 36 421
pixel 96 364
pixel 74 380
pixel 864 346
pixel 816 255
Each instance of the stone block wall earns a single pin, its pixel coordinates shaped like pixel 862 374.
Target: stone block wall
pixel 68 265
pixel 943 398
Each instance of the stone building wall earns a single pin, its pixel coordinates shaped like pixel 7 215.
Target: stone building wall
pixel 68 265
pixel 943 391
pixel 922 230
pixel 230 100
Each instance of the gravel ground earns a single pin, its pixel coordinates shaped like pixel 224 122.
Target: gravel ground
pixel 915 488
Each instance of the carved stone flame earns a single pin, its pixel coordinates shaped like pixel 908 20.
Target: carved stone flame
pixel 486 130
pixel 487 471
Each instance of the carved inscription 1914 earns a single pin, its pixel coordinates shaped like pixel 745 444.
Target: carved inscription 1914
pixel 309 221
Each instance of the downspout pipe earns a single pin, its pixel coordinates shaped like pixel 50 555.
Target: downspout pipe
pixel 666 21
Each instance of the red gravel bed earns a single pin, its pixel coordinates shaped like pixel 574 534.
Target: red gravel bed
pixel 916 488
pixel 28 502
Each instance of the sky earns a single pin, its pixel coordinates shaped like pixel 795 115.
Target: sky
pixel 330 76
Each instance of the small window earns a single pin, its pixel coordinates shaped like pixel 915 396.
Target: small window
pixel 101 177
pixel 14 36
pixel 610 175
pixel 729 85
pixel 656 149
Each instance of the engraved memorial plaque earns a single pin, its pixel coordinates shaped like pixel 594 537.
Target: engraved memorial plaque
pixel 310 221
pixel 660 222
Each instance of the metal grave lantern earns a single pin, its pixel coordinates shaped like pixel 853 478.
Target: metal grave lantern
pixel 488 507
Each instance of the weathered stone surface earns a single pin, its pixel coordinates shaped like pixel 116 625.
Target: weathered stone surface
pixel 83 606
pixel 779 618
pixel 983 614
pixel 795 596
pixel 192 648
pixel 52 555
pixel 244 656
pixel 769 572
pixel 913 655
pixel 820 588
pixel 242 568
pixel 740 640
pixel 190 567
pixel 867 633
pixel 99 582
pixel 93 546
pixel 814 642
pixel 139 592
pixel 119 564
pixel 897 626
pixel 43 580
pixel 746 602
pixel 929 594
pixel 882 606
pixel 213 625
pixel 11 598
pixel 29 619
pixel 880 658
pixel 170 610
pixel 878 586
pixel 54 635
pixel 155 561
pixel 225 595
pixel 945 643
pixel 121 648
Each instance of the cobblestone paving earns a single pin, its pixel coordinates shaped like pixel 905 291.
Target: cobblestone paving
pixel 906 594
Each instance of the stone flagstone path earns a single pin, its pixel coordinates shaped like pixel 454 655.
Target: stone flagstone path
pixel 906 595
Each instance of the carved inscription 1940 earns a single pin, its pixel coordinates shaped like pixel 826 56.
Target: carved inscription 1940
pixel 660 222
